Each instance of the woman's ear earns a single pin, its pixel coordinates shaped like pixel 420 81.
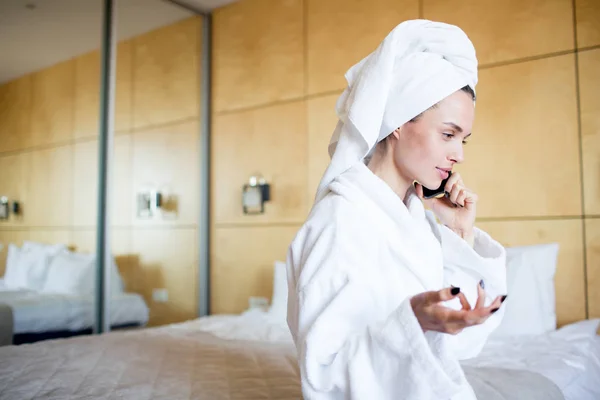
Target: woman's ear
pixel 396 133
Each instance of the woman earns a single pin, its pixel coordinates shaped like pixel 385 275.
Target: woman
pixel 384 300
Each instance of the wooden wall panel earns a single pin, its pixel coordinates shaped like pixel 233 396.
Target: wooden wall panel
pixel 167 158
pixel 87 95
pixel 7 237
pixel 588 22
pixel 166 74
pixel 523 158
pixel 50 236
pixel 122 181
pixel 343 32
pixel 49 187
pixel 84 240
pixel 511 29
pixel 85 183
pixel 13 184
pixel 258 53
pixel 242 264
pixel 321 123
pixel 168 259
pixel 52 104
pixel 592 234
pixel 269 141
pixel 589 90
pixel 569 278
pixel 87 92
pixel 15 113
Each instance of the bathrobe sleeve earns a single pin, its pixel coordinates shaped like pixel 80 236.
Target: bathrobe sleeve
pixel 346 348
pixel 465 267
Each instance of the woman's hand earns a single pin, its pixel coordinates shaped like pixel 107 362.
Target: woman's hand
pixel 434 316
pixel 457 209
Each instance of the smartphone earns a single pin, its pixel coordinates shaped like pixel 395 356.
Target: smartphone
pixel 431 193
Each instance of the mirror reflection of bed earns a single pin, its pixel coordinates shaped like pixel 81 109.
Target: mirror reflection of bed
pixel 50 291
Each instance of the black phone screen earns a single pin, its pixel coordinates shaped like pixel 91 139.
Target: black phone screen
pixel 430 193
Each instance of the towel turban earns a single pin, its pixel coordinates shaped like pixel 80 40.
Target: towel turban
pixel 418 64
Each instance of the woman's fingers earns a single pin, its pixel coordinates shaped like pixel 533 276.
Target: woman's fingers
pixel 463 301
pixel 453 196
pixel 457 193
pixel 480 295
pixel 442 295
pixel 454 179
pixel 460 199
pixel 492 308
pixel 432 315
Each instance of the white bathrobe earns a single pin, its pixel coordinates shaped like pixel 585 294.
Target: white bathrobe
pixel 352 269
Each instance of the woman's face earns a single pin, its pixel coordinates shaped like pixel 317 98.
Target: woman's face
pixel 425 150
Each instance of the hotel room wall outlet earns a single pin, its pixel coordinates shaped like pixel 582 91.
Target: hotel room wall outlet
pixel 160 295
pixel 258 302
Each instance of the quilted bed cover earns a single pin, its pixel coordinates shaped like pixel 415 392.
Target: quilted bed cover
pixel 248 357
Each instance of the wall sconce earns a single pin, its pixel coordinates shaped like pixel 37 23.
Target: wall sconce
pixel 156 201
pixel 254 195
pixel 144 205
pixel 149 203
pixel 4 207
pixel 16 208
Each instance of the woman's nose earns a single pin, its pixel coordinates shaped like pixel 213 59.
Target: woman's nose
pixel 458 156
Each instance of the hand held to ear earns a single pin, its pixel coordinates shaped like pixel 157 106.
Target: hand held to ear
pixel 457 209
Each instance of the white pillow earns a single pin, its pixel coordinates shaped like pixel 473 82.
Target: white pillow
pixel 12 263
pixel 68 274
pixel 116 282
pixel 25 269
pixel 530 305
pixel 50 249
pixel 278 308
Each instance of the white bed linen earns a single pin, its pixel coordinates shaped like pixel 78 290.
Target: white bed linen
pixel 35 312
pixel 569 357
pixel 255 325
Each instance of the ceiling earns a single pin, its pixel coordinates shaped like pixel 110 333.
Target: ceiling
pixel 35 34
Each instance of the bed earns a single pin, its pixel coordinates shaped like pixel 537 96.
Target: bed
pixel 48 292
pixel 252 356
pixel 39 316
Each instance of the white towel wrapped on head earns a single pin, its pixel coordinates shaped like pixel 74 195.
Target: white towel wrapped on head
pixel 417 65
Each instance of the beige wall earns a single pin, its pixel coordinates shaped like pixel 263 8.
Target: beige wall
pixel 278 70
pixel 48 160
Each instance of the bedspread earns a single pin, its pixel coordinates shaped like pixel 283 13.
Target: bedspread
pixel 174 362
pixel 158 363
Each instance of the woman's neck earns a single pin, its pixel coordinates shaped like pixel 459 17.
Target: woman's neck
pixel 383 166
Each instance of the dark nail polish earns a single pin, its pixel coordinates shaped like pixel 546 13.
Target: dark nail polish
pixel 494 310
pixel 503 298
pixel 482 284
pixel 455 291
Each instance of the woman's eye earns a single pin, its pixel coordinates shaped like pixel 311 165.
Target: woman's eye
pixel 448 135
